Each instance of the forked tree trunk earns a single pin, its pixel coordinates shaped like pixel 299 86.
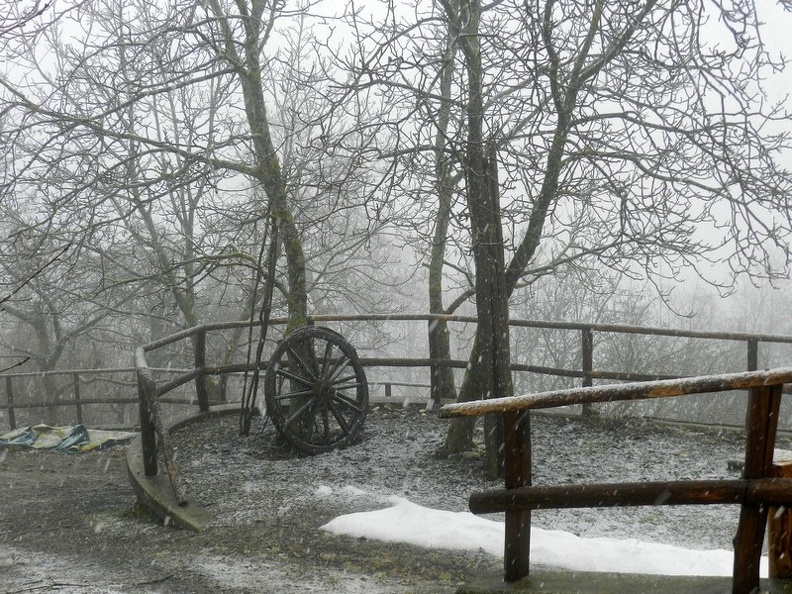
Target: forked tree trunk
pixel 490 370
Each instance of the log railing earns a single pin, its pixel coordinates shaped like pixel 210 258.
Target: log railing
pixel 754 492
pixel 16 399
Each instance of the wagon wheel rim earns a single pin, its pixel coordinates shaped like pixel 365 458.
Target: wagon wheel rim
pixel 316 390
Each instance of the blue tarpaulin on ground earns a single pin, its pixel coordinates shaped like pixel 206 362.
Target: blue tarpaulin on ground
pixel 72 440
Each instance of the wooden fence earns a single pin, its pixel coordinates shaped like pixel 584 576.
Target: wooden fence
pixel 755 492
pixel 77 379
pixel 586 372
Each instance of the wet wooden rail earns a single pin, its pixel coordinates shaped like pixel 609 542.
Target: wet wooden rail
pixel 754 492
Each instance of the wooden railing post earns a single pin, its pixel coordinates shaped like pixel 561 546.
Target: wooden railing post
pixel 761 424
pixel 77 397
pixel 201 391
pixel 753 355
pixel 148 438
pixel 155 435
pixel 9 384
pixel 779 531
pixel 587 354
pixel 517 473
pixel 779 520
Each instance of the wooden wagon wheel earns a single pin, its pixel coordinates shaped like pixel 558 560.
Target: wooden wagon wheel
pixel 316 390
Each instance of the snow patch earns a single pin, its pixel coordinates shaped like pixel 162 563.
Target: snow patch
pixel 409 523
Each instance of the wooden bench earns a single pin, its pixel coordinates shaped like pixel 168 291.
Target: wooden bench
pixel 755 492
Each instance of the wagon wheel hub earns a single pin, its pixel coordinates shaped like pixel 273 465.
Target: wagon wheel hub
pixel 322 391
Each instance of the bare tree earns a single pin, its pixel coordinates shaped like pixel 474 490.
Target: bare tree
pixel 628 135
pixel 188 129
pixel 59 303
pixel 138 123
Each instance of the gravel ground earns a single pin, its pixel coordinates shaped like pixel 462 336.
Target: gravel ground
pixel 397 458
pixel 71 525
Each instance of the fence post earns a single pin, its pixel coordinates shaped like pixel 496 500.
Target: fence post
pixel 78 404
pixel 517 473
pixel 165 445
pixel 10 400
pixel 753 354
pixel 388 390
pixel 779 520
pixel 779 530
pixel 761 424
pixel 202 393
pixel 587 354
pixel 148 439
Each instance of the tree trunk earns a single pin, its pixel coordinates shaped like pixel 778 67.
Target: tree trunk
pixel 460 431
pixel 257 22
pixel 441 377
pixel 490 370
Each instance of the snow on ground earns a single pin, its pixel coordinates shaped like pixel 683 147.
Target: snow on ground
pixel 392 488
pixel 407 522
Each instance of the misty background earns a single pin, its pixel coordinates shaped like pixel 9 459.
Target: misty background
pixel 151 152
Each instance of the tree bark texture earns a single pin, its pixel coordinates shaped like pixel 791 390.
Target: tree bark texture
pixel 268 172
pixel 491 368
pixel 441 377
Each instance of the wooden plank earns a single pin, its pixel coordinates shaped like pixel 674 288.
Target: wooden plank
pixel 517 473
pixel 612 495
pixel 587 364
pixel 779 530
pixel 761 424
pixel 199 350
pixel 148 440
pixel 165 448
pixel 630 391
pixel 769 491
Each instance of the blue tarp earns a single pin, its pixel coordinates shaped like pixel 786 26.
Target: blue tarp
pixel 72 440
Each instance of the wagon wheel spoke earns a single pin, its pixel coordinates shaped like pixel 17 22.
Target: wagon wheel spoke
pixel 328 356
pixel 296 394
pixel 326 424
pixel 294 377
pixel 309 372
pixel 345 387
pixel 339 384
pixel 342 363
pixel 339 417
pixel 308 406
pixel 351 403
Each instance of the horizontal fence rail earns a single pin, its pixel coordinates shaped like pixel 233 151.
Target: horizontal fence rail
pixel 756 492
pixel 170 379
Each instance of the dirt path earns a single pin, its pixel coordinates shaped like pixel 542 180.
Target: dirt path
pixel 69 524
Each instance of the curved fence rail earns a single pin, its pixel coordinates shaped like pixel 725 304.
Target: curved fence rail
pixel 190 383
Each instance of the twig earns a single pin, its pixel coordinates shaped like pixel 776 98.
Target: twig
pixel 17 364
pixel 41 269
pixel 53 584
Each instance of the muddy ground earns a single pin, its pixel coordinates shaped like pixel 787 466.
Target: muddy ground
pixel 69 524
